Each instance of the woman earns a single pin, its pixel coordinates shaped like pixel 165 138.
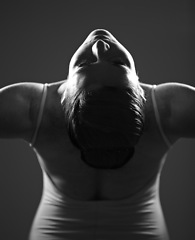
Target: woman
pixel 101 138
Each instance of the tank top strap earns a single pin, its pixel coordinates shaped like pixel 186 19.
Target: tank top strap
pixel 40 114
pixel 157 116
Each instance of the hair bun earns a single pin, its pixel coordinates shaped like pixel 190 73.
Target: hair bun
pixel 107 158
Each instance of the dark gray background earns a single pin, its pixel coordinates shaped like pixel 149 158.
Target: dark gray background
pixel 37 42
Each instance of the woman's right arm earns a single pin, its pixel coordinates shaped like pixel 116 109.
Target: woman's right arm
pixel 15 110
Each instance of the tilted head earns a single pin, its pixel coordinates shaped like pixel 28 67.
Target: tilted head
pixel 102 60
pixel 103 101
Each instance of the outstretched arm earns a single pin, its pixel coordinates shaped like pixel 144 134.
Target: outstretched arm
pixel 15 110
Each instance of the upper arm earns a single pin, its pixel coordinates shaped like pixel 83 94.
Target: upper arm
pixel 180 102
pixel 15 111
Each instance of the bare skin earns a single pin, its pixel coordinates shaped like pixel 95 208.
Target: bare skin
pixel 19 105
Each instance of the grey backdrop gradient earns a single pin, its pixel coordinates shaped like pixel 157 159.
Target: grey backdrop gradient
pixel 37 42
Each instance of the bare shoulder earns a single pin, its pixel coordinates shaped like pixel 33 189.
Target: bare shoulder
pixel 176 102
pixel 178 97
pixel 22 90
pixel 15 109
pixel 170 89
pixel 172 93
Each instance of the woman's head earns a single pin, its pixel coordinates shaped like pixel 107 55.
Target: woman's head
pixel 103 102
pixel 102 53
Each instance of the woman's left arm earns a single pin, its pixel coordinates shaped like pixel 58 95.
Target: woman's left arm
pixel 180 99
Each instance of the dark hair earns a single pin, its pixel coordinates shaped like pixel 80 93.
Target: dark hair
pixel 105 123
